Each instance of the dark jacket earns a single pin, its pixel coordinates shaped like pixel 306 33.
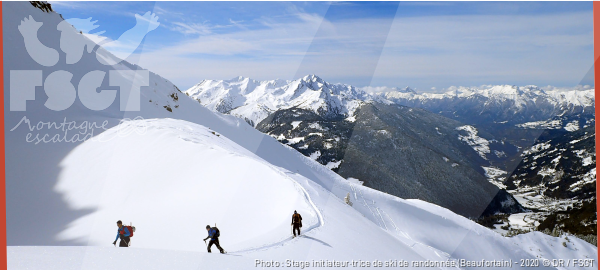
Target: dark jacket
pixel 212 233
pixel 297 219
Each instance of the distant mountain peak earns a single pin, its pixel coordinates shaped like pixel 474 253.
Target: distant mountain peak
pixel 312 78
pixel 406 89
pixel 239 79
pixel 254 100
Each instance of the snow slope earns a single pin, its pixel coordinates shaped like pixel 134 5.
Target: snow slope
pixel 192 155
pixel 72 193
pixel 538 244
pixel 189 168
pixel 179 176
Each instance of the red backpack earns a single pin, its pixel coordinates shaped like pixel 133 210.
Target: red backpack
pixel 131 229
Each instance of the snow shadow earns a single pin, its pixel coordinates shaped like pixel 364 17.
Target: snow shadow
pixel 317 240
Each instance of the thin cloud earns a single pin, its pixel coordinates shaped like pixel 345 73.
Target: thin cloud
pixel 444 50
pixel 192 28
pixel 423 52
pixel 238 24
pixel 169 12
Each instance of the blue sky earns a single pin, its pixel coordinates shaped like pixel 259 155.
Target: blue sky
pixel 429 46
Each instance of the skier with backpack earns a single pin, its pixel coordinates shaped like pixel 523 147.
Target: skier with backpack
pixel 213 234
pixel 296 223
pixel 124 233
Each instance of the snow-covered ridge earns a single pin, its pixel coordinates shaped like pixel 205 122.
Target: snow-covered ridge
pixel 254 100
pixel 520 94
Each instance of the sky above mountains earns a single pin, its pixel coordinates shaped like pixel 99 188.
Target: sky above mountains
pixel 427 45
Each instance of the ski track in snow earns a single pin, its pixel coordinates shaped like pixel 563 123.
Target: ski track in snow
pixel 379 215
pixel 188 130
pixel 320 222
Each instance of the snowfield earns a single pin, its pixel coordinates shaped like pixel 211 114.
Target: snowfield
pixel 173 177
pixel 537 244
pixel 166 174
pixel 181 166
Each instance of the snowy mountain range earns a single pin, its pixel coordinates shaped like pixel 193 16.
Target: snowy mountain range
pixel 523 103
pixel 175 165
pixel 507 111
pixel 254 100
pixel 500 104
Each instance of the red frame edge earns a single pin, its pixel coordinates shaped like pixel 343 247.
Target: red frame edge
pixel 596 78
